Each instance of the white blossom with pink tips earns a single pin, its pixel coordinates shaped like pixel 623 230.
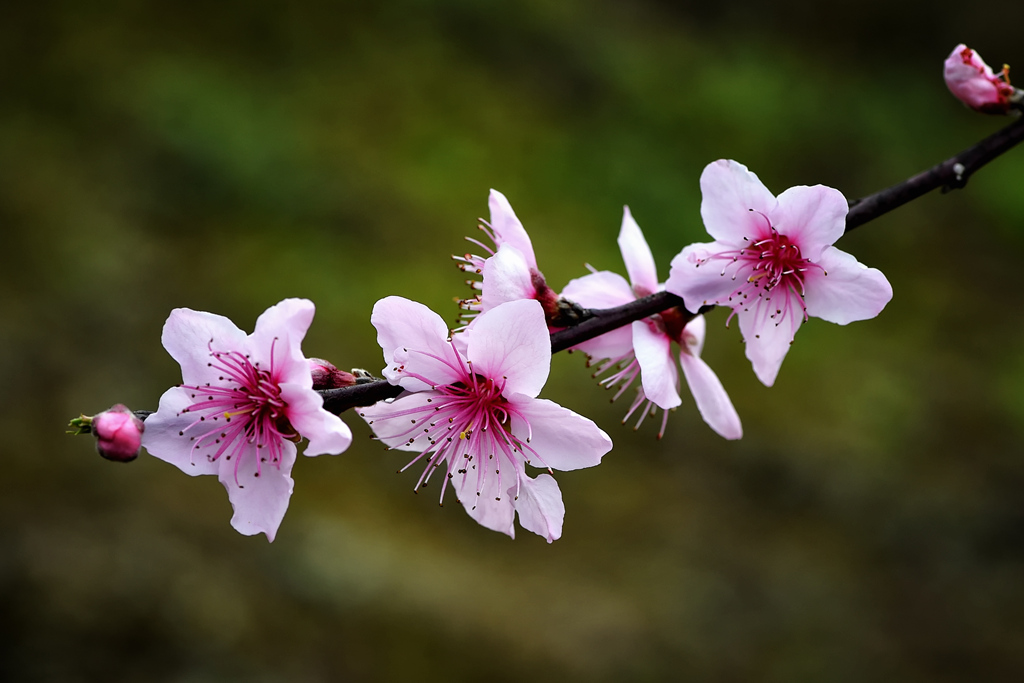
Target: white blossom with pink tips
pixel 645 347
pixel 972 82
pixel 245 401
pixel 473 411
pixel 773 262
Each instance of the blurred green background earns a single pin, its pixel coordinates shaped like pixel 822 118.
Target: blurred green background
pixel 223 156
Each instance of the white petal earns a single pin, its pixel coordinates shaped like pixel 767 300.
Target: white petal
pixel 511 343
pixel 414 336
pixel 506 277
pixel 487 498
pixel 812 217
pixel 259 492
pixel 637 256
pixel 768 339
pixel 540 506
pixel 731 200
pixel 699 282
pixel 508 228
pixel 397 422
pixel 326 432
pixel 558 437
pixel 658 372
pixel 163 439
pixel 712 401
pixel 187 336
pixel 851 291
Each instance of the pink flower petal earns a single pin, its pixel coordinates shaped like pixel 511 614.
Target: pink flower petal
pixel 491 505
pixel 508 228
pixel 712 401
pixel 812 217
pixel 728 194
pixel 506 277
pixel 638 257
pixel 511 343
pixel 767 342
pixel 603 290
pixel 187 335
pixel 540 507
pixel 393 421
pixel 287 322
pixel 403 324
pixel 700 283
pixel 259 496
pixel 326 432
pixel 163 435
pixel 851 291
pixel 560 438
pixel 658 372
pixel 694 334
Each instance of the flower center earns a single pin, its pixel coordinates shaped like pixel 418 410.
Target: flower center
pixel 467 425
pixel 242 412
pixel 769 271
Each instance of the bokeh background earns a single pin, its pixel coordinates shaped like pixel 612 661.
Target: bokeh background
pixel 223 156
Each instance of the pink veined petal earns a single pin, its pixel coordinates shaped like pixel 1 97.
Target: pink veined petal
pixel 603 289
pixel 728 193
pixel 851 291
pixel 163 439
pixel 403 324
pixel 562 439
pixel 611 345
pixel 506 277
pixel 508 228
pixel 493 507
pixel 812 217
pixel 259 501
pixel 288 322
pixel 392 421
pixel 712 401
pixel 637 255
pixel 701 283
pixel 693 335
pixel 511 343
pixel 187 335
pixel 540 506
pixel 658 372
pixel 767 343
pixel 326 432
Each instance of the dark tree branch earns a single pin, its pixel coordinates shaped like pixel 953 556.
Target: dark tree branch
pixel 951 174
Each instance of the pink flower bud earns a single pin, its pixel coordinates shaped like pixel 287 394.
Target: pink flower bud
pixel 326 376
pixel 118 434
pixel 972 81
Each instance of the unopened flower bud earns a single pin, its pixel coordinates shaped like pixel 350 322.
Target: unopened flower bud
pixel 972 81
pixel 326 376
pixel 118 434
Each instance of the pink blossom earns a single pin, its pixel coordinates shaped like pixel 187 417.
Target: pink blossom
pixel 645 347
pixel 510 269
pixel 473 409
pixel 244 403
pixel 971 80
pixel 773 262
pixel 118 433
